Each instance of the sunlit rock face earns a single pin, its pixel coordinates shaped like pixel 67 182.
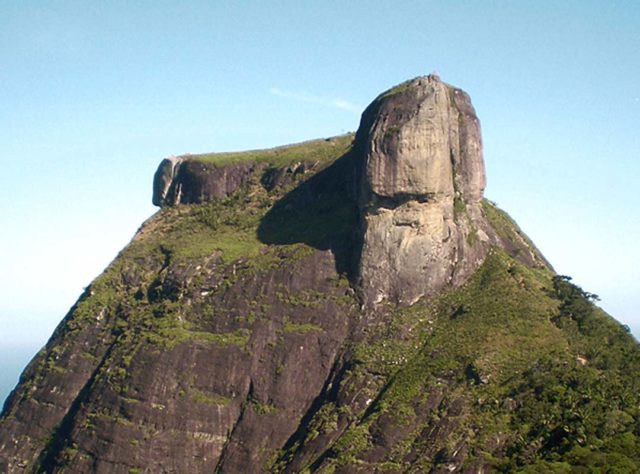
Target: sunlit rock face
pixel 422 180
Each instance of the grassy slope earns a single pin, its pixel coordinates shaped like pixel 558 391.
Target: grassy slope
pixel 548 393
pixel 323 150
pixel 226 229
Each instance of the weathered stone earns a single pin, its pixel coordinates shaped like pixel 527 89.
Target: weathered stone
pixel 422 138
pixel 422 171
pixel 189 181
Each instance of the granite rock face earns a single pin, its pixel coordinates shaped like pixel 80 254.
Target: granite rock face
pixel 422 181
pixel 423 139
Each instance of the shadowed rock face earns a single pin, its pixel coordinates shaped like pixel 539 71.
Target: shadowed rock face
pixel 163 180
pixel 180 180
pixel 422 181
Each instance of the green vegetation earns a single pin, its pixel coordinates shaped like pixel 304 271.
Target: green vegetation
pixel 169 337
pixel 516 355
pixel 322 151
pixel 199 396
pixel 399 89
pixel 290 327
pixel 459 206
pixel 263 408
pixel 192 232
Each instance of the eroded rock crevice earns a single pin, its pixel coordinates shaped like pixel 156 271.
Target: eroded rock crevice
pixel 164 181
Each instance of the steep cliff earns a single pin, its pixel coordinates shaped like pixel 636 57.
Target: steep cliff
pixel 420 193
pixel 342 305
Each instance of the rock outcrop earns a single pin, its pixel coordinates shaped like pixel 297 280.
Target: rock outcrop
pixel 164 181
pixel 422 182
pixel 183 180
pixel 198 179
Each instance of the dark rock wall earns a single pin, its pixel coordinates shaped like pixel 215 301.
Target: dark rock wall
pixel 228 402
pixel 186 181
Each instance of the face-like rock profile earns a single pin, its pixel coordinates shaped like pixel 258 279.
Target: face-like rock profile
pixel 422 179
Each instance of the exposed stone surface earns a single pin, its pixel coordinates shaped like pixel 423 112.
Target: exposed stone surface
pixel 421 186
pixel 422 138
pixel 226 403
pixel 195 179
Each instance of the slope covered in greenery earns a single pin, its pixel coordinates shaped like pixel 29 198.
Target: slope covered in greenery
pixel 517 371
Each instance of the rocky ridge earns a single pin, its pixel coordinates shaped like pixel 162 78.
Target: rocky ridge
pixel 342 305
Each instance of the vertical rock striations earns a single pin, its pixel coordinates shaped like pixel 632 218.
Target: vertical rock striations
pixel 422 182
pixel 163 180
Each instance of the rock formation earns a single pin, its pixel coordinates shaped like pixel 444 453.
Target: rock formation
pixel 180 180
pixel 347 305
pixel 420 194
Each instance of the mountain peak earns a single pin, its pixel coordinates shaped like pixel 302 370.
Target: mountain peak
pixel 349 304
pixel 418 172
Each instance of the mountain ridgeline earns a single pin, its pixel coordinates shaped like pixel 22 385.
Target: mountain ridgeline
pixel 346 305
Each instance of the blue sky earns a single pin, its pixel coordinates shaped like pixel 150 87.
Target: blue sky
pixel 94 94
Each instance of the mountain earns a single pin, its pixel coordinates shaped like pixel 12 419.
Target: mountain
pixel 352 304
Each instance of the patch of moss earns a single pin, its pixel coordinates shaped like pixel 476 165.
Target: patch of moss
pixel 459 206
pixel 171 337
pixel 472 236
pixel 306 299
pixel 290 327
pixel 199 396
pixel 263 408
